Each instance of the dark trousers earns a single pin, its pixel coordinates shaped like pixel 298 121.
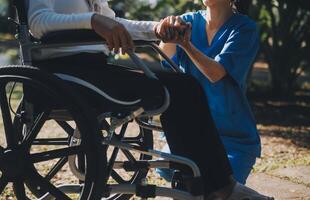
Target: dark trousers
pixel 187 123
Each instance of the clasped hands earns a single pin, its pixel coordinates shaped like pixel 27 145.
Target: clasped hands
pixel 171 29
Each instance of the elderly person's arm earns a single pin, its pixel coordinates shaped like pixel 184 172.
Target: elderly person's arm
pixel 46 16
pixel 43 17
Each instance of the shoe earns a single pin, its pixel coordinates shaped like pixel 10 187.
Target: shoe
pixel 242 192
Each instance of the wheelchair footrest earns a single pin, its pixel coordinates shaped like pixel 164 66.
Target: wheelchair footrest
pixel 193 185
pixel 145 191
pixel 139 165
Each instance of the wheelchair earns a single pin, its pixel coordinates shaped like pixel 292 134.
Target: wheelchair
pixel 52 134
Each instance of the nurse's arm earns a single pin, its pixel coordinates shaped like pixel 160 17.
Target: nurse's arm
pixel 213 70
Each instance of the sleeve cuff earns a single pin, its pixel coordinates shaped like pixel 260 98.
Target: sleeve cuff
pixel 227 66
pixel 139 30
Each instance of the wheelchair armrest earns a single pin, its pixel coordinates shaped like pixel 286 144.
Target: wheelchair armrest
pixel 71 36
pixel 81 37
pixel 78 37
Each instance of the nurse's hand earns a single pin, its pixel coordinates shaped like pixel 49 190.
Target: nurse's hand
pixel 171 29
pixel 184 38
pixel 115 34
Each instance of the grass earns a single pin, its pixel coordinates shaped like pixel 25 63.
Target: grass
pixel 282 160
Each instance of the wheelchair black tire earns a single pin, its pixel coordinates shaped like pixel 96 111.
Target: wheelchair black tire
pixel 86 122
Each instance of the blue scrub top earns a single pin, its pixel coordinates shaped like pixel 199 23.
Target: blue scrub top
pixel 234 46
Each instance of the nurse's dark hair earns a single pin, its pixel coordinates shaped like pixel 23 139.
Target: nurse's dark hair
pixel 242 6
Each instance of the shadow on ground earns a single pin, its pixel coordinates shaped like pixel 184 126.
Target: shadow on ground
pixel 288 117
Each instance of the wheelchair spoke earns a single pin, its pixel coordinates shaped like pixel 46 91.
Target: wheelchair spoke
pixel 116 150
pixel 51 141
pixel 56 168
pixel 47 186
pixel 66 127
pixel 35 129
pixel 117 177
pixel 7 120
pixel 129 156
pixel 58 153
pixel 19 190
pixel 132 140
pixel 3 184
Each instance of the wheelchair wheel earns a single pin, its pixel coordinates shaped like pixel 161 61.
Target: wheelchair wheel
pixel 132 134
pixel 34 148
pixel 129 133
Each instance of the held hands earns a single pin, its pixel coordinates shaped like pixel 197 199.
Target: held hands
pixel 173 29
pixel 115 34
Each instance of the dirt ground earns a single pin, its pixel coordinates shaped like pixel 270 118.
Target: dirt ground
pixel 283 171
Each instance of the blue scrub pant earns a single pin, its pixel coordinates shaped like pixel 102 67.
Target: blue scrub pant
pixel 242 166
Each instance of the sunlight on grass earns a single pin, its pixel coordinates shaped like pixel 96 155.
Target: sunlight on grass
pixel 267 165
pixel 281 148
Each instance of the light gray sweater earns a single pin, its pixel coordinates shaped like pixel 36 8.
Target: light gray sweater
pixel 53 15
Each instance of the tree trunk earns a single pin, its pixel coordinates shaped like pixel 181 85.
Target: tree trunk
pixel 282 85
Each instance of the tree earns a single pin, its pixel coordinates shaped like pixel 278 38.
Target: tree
pixel 285 38
pixel 154 9
pixel 5 11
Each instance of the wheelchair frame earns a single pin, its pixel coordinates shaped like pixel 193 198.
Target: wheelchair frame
pixel 87 37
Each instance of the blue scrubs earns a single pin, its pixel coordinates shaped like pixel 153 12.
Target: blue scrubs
pixel 235 46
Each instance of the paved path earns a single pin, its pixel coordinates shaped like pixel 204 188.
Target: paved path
pixel 291 186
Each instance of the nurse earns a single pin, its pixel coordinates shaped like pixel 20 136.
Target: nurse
pixel 218 51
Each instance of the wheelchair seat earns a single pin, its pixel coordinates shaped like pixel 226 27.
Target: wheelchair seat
pixel 101 95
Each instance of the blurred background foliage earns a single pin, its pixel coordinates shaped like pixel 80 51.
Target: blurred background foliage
pixel 285 40
pixel 4 13
pixel 284 28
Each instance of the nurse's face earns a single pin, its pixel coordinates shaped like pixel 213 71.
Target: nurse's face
pixel 212 3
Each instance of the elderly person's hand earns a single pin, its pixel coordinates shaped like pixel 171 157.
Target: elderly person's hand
pixel 113 32
pixel 173 29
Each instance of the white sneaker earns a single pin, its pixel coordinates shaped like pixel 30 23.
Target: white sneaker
pixel 242 192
